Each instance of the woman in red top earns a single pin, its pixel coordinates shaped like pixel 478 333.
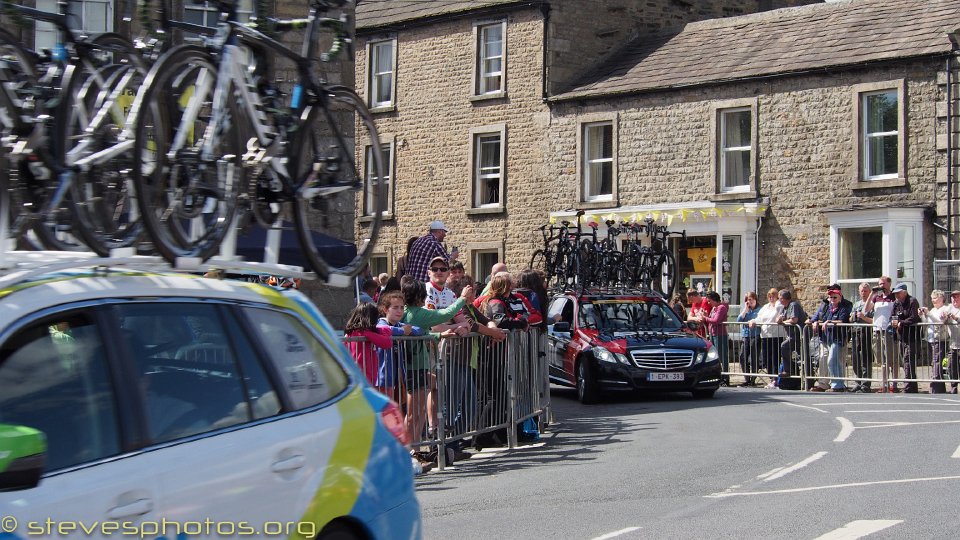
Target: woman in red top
pixel 717 330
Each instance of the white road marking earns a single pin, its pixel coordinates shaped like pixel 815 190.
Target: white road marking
pixel 907 410
pixel 956 454
pixel 833 486
pixel 802 406
pixel 859 529
pixel 796 467
pixel 831 403
pixel 888 424
pixel 617 533
pixel 766 474
pixel 846 429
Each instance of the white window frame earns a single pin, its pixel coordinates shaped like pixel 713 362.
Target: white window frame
pixel 863 140
pixel 211 15
pixel 45 34
pixel 481 85
pixel 388 148
pixel 891 221
pixel 374 78
pixel 478 176
pixel 870 138
pixel 728 152
pixel 718 155
pixel 585 159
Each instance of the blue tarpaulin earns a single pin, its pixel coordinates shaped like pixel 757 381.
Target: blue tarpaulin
pixel 250 246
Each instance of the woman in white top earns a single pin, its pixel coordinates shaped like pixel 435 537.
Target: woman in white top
pixel 936 338
pixel 771 334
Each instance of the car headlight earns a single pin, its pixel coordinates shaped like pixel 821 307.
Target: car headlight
pixel 605 355
pixel 712 355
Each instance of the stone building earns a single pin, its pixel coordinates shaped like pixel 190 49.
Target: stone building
pixel 796 146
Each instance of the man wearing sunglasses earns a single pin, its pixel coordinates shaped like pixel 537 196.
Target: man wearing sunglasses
pixel 836 310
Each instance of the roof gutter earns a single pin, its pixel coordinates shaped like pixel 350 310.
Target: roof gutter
pixel 751 78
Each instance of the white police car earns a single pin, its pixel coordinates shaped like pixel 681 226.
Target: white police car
pixel 165 405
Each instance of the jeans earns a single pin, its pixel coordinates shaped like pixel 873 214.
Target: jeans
pixel 835 366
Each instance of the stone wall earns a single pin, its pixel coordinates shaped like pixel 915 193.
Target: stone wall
pixel 806 156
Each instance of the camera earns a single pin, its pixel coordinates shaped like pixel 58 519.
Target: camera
pixel 877 289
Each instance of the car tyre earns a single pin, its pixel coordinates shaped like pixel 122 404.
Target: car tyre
pixel 587 391
pixel 704 394
pixel 338 531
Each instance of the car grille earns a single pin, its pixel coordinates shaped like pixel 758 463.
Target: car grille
pixel 662 359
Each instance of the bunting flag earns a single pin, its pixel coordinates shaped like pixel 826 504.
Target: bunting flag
pixel 668 216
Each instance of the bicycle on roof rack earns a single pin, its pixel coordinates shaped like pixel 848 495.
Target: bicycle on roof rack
pixel 196 176
pixel 574 260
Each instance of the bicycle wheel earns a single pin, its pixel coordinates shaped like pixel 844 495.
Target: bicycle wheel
pixel 325 175
pixel 186 156
pixel 105 210
pixel 665 278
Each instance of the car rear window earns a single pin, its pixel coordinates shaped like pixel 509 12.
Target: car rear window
pixel 307 367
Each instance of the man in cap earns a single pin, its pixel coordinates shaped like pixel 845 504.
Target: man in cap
pixel 426 248
pixel 906 315
pixel 834 310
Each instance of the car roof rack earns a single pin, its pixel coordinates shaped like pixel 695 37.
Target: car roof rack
pixel 19 266
pixel 613 291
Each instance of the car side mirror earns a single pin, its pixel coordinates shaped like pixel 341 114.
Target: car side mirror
pixel 561 327
pixel 23 454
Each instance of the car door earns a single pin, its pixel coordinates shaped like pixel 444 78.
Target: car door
pixel 557 342
pixel 55 377
pixel 235 463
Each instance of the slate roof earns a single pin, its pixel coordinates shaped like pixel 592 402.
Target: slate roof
pixel 774 43
pixel 377 13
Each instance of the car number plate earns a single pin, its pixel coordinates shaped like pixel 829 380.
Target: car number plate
pixel 664 376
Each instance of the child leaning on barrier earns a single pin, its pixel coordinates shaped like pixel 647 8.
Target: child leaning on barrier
pixel 390 365
pixel 362 322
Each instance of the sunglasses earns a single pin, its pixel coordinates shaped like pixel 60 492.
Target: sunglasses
pixel 439 268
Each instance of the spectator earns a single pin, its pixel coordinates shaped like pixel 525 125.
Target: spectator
pixel 531 286
pixel 362 323
pixel 749 336
pixel 677 304
pixel 881 304
pixel 402 261
pixel 771 334
pixel 698 308
pixel 862 347
pixel 456 271
pixel 791 319
pixel 424 249
pixel 906 315
pixel 836 311
pixel 418 362
pixel 368 290
pixel 715 322
pixel 952 318
pixel 936 338
pixel 390 368
pixel 497 268
pixel 382 281
pixel 392 284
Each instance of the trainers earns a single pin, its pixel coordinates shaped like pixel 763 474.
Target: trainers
pixel 817 389
pixel 772 385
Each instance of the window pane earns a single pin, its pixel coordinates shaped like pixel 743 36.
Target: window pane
pixel 384 185
pixel 861 252
pixel 310 372
pixel 53 378
pixel 730 270
pixel 736 170
pixel 599 160
pixel 882 155
pixel 384 56
pixel 882 112
pixel 488 174
pixel 904 250
pixel 189 378
pixel 736 129
pixel 95 17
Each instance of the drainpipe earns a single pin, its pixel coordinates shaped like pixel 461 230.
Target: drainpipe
pixel 545 9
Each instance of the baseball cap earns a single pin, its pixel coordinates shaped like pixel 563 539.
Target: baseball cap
pixel 954 293
pixel 900 287
pixel 438 258
pixel 437 225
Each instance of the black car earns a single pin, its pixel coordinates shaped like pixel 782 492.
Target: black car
pixel 626 341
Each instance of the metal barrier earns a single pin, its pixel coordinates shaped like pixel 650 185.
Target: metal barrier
pixel 922 353
pixel 468 385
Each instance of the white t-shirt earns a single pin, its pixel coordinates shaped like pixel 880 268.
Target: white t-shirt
pixel 882 311
pixel 439 298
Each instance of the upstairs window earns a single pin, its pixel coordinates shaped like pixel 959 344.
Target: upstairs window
pixel 491 58
pixel 381 82
pixel 90 16
pixel 487 166
pixel 881 129
pixel 735 149
pixel 385 185
pixel 598 163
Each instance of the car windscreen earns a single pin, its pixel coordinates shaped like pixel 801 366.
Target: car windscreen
pixel 633 315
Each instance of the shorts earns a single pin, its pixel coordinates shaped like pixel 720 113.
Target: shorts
pixel 417 379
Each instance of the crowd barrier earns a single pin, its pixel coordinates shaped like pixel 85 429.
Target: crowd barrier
pixel 876 359
pixel 469 385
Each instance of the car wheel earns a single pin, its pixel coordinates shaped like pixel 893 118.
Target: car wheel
pixel 704 394
pixel 338 531
pixel 587 391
